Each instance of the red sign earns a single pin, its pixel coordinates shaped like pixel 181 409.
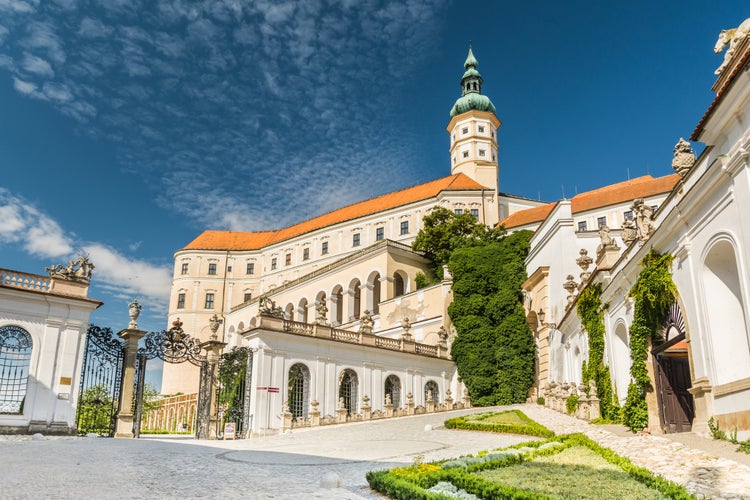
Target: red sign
pixel 269 389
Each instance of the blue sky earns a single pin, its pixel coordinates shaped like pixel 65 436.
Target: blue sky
pixel 127 127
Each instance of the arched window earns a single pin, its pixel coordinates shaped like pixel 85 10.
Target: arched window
pixel 373 284
pixel 431 391
pixel 348 390
pixel 393 388
pixel 355 295
pixel 337 303
pixel 302 311
pixel 15 357
pixel 399 286
pixel 289 312
pixel 299 390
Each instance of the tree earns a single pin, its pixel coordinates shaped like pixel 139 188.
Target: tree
pixel 95 410
pixel 494 349
pixel 445 231
pixel 232 374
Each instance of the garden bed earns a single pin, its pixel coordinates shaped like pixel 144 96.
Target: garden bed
pixel 571 466
pixel 510 422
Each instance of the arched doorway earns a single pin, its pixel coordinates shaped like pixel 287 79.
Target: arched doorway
pixel 393 389
pixel 348 390
pixel 399 284
pixel 302 311
pixel 672 373
pixel 298 397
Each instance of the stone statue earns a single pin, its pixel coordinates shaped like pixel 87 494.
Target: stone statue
pixel 429 395
pixel 320 313
pixel 342 406
pixel 406 325
pixel 732 38
pixel 606 241
pixel 388 400
pixel 644 219
pixel 443 337
pixel 77 270
pixel 366 322
pixel 684 157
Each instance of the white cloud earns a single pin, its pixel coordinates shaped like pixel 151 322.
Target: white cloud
pixel 57 92
pixel 23 223
pixel 36 65
pixel 41 35
pixel 93 28
pixel 16 5
pixel 23 87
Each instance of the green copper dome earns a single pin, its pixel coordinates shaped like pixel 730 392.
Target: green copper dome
pixel 471 90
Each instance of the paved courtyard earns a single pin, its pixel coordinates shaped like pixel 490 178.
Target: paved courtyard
pixel 295 465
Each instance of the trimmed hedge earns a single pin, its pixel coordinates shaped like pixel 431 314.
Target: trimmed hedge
pixel 474 423
pixel 462 477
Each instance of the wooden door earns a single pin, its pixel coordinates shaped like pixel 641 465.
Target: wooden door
pixel 676 403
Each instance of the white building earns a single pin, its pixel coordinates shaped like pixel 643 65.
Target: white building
pixel 43 324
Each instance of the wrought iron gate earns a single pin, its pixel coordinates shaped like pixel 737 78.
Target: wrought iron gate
pixel 101 379
pixel 175 346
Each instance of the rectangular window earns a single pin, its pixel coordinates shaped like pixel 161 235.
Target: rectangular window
pixel 212 269
pixel 405 227
pixel 355 240
pixel 457 211
pixel 601 221
pixel 229 269
pixel 482 152
pixel 582 226
pixel 466 154
pixel 379 233
pixel 465 130
pixel 481 129
pixel 475 213
pixel 305 254
pixel 181 301
pixel 185 268
pixel 324 248
pixel 209 301
pixel 627 215
pixel 273 263
pixel 288 260
pixel 248 296
pixel 250 268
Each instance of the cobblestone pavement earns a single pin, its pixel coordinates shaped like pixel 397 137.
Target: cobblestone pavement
pixel 702 473
pixel 286 466
pixel 296 465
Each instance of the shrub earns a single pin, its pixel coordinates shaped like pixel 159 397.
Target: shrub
pixel 475 423
pixel 540 400
pixel 571 404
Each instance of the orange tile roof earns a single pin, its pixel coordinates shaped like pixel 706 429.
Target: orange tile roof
pixel 640 187
pixel 232 240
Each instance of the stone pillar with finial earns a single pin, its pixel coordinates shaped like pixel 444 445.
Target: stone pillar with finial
pixel 366 408
pixel 213 349
pixel 131 335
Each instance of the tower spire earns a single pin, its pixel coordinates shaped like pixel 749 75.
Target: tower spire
pixel 471 88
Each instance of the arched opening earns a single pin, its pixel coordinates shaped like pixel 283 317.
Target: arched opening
pixel 289 312
pixel 726 317
pixel 337 305
pixel 373 286
pixel 298 397
pixel 348 390
pixel 355 299
pixel 399 284
pixel 431 392
pixel 621 361
pixel 302 311
pixel 15 358
pixel 393 389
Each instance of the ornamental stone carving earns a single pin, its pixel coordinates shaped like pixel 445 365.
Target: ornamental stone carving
pixel 584 261
pixel 77 270
pixel 643 219
pixel 684 157
pixel 267 307
pixel 134 310
pixel 366 322
pixel 570 286
pixel 629 232
pixel 443 336
pixel 320 313
pixel 406 325
pixel 606 242
pixel 732 38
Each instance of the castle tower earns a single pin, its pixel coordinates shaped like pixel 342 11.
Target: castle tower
pixel 473 133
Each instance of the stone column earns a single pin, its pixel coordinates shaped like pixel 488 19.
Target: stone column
pixel 341 412
pixel 366 409
pixel 213 349
pixel 124 428
pixel 314 414
pixel 466 398
pixel 448 400
pixel 410 404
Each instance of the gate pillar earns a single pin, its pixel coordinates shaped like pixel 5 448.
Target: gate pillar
pixel 124 428
pixel 213 351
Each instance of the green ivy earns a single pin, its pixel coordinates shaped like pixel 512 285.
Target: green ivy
pixel 590 310
pixel 654 292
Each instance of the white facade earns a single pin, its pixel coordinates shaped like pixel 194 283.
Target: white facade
pixel 43 324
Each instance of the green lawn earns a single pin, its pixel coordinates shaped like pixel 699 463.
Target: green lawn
pixel 576 472
pixel 506 417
